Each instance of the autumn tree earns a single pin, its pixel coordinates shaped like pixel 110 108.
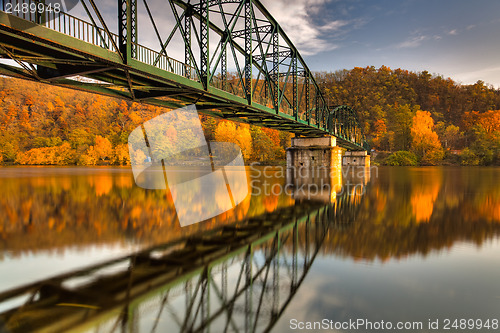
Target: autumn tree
pixel 89 157
pixel 225 132
pixel 425 144
pixel 58 155
pixel 103 148
pixel 244 140
pixel 209 125
pixel 402 117
pixel 274 135
pixel 120 155
pixel 263 147
pixel 379 140
pixel 228 132
pixel 483 135
pixel 451 136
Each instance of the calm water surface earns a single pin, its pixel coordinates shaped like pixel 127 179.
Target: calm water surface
pixel 415 244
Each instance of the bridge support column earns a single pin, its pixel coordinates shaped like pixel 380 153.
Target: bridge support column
pixel 314 168
pixel 356 158
pixel 312 153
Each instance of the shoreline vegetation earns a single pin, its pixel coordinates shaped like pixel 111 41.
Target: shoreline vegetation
pixel 419 118
pixel 409 119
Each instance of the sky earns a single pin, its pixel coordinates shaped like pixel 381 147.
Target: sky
pixel 459 39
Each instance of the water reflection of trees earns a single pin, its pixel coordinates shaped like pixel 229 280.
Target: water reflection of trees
pixel 403 212
pixel 232 278
pixel 53 208
pixel 417 211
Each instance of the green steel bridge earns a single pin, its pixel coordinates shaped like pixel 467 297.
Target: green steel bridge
pixel 237 61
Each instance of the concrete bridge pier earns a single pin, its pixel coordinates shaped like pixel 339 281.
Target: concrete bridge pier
pixel 322 152
pixel 356 158
pixel 314 169
pixel 313 153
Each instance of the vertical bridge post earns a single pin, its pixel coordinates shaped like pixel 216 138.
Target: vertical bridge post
pixel 248 50
pixel 276 69
pixel 204 62
pixel 127 29
pixel 187 39
pixel 294 87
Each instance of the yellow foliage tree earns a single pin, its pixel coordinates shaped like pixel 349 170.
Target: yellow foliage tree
pixel 89 158
pixel 103 147
pixel 228 132
pixel 225 132
pixel 58 155
pixel 425 142
pixel 490 121
pixel 121 155
pixel 244 140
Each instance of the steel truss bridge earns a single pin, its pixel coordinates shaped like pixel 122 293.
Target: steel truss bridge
pixel 238 278
pixel 237 63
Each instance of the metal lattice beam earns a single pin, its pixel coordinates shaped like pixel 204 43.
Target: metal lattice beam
pixel 270 79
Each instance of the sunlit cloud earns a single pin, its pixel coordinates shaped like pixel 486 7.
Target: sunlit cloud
pixel 453 32
pixel 334 25
pixel 295 17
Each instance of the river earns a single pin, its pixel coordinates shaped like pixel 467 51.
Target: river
pixel 409 246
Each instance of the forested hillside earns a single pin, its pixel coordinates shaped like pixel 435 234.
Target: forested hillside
pixel 428 115
pixel 421 118
pixel 47 125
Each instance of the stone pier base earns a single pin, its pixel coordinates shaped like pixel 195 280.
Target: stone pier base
pixel 313 152
pixel 356 158
pixel 314 168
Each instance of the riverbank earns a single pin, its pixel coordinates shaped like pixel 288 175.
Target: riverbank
pixel 465 157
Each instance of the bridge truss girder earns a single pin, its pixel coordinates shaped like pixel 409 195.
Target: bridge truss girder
pixel 238 62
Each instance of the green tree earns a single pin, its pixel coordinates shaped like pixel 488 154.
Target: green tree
pixel 401 158
pixel 451 137
pixel 402 118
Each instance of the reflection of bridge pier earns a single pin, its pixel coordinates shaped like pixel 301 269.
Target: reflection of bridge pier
pixel 319 184
pixel 235 278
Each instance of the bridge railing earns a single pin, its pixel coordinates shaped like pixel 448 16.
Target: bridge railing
pixel 52 17
pixel 160 60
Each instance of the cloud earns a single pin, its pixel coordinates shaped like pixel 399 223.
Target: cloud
pixel 412 42
pixel 334 25
pixel 453 32
pixel 296 19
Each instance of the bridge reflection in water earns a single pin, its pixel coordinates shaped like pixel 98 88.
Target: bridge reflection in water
pixel 236 278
